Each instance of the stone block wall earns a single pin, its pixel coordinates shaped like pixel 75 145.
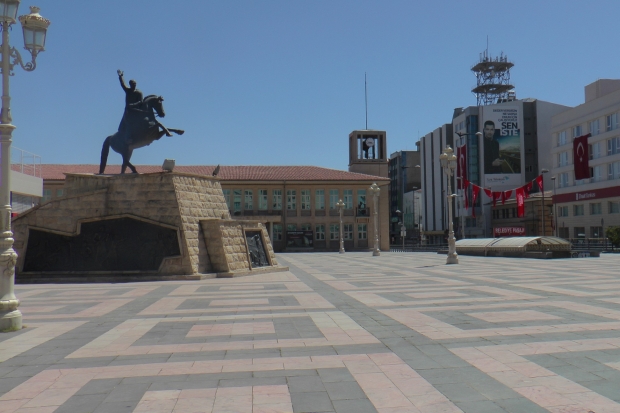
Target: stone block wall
pixel 227 244
pixel 176 199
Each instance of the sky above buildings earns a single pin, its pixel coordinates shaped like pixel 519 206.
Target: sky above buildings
pixel 280 82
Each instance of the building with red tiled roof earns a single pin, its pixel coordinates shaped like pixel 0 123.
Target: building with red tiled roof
pixel 296 203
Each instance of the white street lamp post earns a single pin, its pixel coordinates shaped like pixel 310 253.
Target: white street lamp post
pixel 542 211
pixel 374 190
pixel 448 163
pixel 340 206
pixel 555 211
pixel 34 30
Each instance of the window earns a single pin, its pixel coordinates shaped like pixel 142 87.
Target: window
pixel 562 138
pixel 319 199
pixel 563 181
pixel 613 146
pixel 47 195
pixel 348 198
pixel 613 207
pixel 333 198
pixel 262 199
pixel 362 232
pixel 563 211
pixel 227 198
pixel 613 170
pixel 249 202
pixel 305 199
pixel 595 150
pixel 580 232
pixel 291 199
pixel 596 208
pixel 277 199
pixel 596 232
pixel 562 158
pixel 306 227
pixel 577 210
pixel 361 198
pixel 291 227
pixel 277 232
pixel 60 192
pixel 594 127
pixel 237 200
pixel 612 121
pixel 597 173
pixel 334 232
pixel 577 131
pixel 347 231
pixel 563 232
pixel 320 232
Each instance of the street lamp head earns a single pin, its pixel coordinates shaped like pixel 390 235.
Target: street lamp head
pixel 340 204
pixel 544 171
pixel 35 29
pixel 374 188
pixel 478 134
pixel 8 10
pixel 553 178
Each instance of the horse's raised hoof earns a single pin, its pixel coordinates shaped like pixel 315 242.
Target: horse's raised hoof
pixel 181 132
pixel 168 134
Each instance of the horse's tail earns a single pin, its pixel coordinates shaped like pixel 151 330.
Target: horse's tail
pixel 105 150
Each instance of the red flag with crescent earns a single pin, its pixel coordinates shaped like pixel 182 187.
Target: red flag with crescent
pixel 581 157
pixel 539 181
pixel 520 194
pixel 496 195
pixel 506 195
pixel 475 190
pixel 461 164
pixel 527 189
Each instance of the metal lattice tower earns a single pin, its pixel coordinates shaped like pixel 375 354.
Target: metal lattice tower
pixel 493 79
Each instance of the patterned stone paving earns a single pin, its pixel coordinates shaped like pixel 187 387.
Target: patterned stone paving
pixel 338 333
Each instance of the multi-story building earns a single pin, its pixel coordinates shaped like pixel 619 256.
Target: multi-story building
pixel 26 180
pixel 434 184
pixel 404 174
pixel 297 204
pixel 584 208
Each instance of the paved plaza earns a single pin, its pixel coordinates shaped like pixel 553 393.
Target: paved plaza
pixel 401 332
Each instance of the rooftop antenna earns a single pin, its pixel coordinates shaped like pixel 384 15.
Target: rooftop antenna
pixel 493 79
pixel 366 98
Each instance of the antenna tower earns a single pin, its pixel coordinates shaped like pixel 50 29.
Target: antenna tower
pixel 493 79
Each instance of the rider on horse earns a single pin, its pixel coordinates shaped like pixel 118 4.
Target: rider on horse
pixel 134 114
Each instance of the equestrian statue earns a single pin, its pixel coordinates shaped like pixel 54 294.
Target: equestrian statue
pixel 139 125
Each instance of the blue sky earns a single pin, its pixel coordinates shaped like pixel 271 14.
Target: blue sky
pixel 281 82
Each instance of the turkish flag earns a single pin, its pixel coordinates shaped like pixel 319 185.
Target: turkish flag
pixel 527 189
pixel 506 195
pixel 496 196
pixel 581 157
pixel 520 194
pixel 489 193
pixel 461 165
pixel 475 190
pixel 539 181
pixel 465 192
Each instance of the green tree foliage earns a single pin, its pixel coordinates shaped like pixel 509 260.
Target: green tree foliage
pixel 613 233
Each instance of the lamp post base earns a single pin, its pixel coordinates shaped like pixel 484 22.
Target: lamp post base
pixel 10 321
pixel 376 253
pixel 452 259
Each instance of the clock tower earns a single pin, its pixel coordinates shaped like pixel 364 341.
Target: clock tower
pixel 368 152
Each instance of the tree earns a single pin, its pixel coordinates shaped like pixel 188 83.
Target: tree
pixel 613 234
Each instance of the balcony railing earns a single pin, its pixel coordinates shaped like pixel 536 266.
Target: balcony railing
pixel 26 162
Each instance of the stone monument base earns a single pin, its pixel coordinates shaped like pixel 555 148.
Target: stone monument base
pixel 138 227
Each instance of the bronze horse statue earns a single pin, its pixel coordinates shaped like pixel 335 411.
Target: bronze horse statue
pixel 138 128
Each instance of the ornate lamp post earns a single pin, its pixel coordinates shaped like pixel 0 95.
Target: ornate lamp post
pixel 375 190
pixel 448 163
pixel 340 206
pixel 555 211
pixel 34 30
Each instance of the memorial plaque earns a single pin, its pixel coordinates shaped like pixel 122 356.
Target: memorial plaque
pixel 256 248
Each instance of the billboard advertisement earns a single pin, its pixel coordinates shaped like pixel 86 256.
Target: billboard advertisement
pixel 502 136
pixel 299 239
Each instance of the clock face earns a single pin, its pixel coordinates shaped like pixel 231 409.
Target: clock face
pixel 370 142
